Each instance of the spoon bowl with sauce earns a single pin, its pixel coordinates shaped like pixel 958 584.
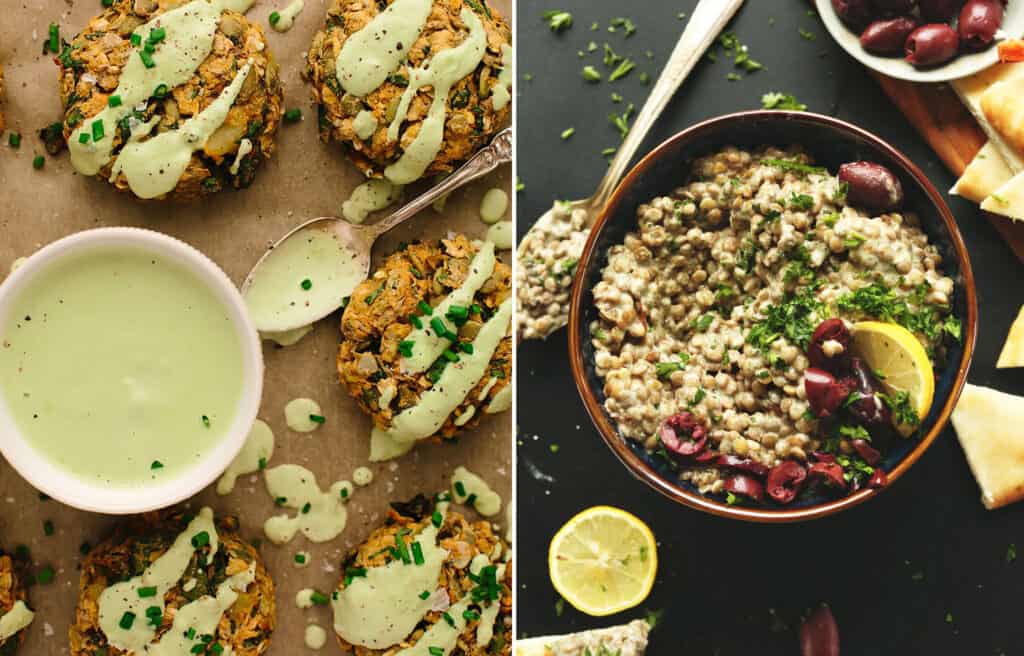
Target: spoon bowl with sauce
pixel 561 232
pixel 307 274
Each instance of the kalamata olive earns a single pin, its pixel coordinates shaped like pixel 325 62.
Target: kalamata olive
pixel 819 634
pixel 887 37
pixel 683 434
pixel 893 7
pixel 871 185
pixel 878 479
pixel 868 408
pixel 855 13
pixel 785 480
pixel 829 473
pixel 745 485
pixel 939 11
pixel 829 348
pixel 824 393
pixel 742 464
pixel 979 21
pixel 932 45
pixel 867 452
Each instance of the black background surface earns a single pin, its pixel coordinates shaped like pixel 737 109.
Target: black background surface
pixel 922 569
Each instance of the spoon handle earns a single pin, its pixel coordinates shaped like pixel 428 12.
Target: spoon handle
pixel 498 152
pixel 707 21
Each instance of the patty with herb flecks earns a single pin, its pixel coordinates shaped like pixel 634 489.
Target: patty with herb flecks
pixel 12 590
pixel 472 118
pixel 245 628
pixel 463 540
pixel 384 309
pixel 90 69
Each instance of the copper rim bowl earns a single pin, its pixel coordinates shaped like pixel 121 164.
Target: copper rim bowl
pixel 831 142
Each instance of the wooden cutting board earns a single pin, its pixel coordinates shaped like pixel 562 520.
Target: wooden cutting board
pixel 937 113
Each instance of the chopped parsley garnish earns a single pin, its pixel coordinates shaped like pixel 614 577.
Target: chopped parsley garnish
pixel 568 132
pixel 622 70
pixel 665 369
pixel 855 432
pixel 776 100
pixel 793 166
pixel 800 201
pixel 795 319
pixel 558 20
pixel 704 322
pixel 854 240
pixel 369 299
pixel 621 121
pixel 206 421
pixel 591 74
pixel 698 397
pixel 1011 552
pixel 902 410
pixel 879 302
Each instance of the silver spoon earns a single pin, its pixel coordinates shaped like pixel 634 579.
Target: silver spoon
pixel 536 315
pixel 358 240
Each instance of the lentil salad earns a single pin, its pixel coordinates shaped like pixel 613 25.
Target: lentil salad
pixel 719 314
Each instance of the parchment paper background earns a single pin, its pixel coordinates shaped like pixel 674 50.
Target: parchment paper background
pixel 304 179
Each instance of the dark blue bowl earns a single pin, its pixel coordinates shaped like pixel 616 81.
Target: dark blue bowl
pixel 831 142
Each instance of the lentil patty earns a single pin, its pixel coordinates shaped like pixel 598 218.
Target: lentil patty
pixel 689 304
pixel 472 119
pixel 245 628
pixel 12 590
pixel 463 540
pixel 90 67
pixel 377 319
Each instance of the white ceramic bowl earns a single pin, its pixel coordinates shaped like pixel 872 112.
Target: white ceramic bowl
pixel 94 497
pixel 897 67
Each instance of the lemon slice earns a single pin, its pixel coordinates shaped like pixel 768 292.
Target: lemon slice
pixel 603 561
pixel 894 352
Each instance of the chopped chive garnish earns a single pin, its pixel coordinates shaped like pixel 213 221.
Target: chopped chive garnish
pixel 83 138
pixel 14 140
pixel 466 347
pixel 275 17
pixel 306 508
pixel 157 35
pixel 439 328
pixel 48 528
pixel 160 91
pixel 149 48
pixel 54 40
pixel 470 615
pixel 424 594
pixel 425 308
pixel 300 559
pixel 448 618
pixel 415 321
pixel 306 284
pixel 450 356
pixel 156 464
pixel 568 132
pixel 471 500
pixel 200 539
pixel 437 519
pixel 114 101
pixel 475 309
pixel 84 548
pixel 45 575
pixel 149 591
pixel 263 464
pixel 417 553
pixel 460 489
pixel 457 313
pixel 280 501
pixel 108 3
pixel 206 421
pixel 38 162
pixel 147 59
pixel 405 348
pixel 127 620
pixel 354 572
pixel 317 419
pixel 344 493
pixel 435 651
pixel 191 633
pixel 135 40
pixel 293 115
pixel 97 130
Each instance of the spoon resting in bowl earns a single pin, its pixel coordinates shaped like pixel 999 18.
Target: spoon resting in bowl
pixel 308 273
pixel 547 255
